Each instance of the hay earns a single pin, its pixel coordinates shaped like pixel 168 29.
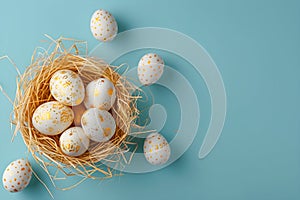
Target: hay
pixel 33 90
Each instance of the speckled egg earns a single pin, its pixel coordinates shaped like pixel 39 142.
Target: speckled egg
pixel 103 26
pixel 156 149
pixel 67 87
pixel 99 125
pixel 100 93
pixel 52 118
pixel 17 175
pixel 74 142
pixel 150 68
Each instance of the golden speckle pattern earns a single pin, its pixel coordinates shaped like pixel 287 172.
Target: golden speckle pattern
pixel 150 68
pixel 100 93
pixel 107 132
pixel 74 142
pixel 103 26
pixel 99 125
pixel 17 175
pixel 67 87
pixel 52 118
pixel 110 91
pixel 156 149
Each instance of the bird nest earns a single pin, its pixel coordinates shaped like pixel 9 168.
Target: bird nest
pixel 33 90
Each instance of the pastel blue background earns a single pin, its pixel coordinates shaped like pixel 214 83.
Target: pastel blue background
pixel 256 46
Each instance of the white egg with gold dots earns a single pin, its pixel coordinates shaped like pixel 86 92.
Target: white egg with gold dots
pixel 150 68
pixel 100 93
pixel 99 125
pixel 156 149
pixel 103 26
pixel 67 87
pixel 17 175
pixel 74 142
pixel 52 118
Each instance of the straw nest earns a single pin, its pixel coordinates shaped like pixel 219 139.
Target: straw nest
pixel 33 90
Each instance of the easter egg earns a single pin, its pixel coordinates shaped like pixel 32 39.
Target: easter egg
pixel 17 175
pixel 100 93
pixel 78 112
pixel 99 125
pixel 103 26
pixel 67 87
pixel 150 68
pixel 52 118
pixel 74 142
pixel 156 149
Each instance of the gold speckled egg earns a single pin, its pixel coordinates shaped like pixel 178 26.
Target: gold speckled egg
pixel 103 26
pixel 67 87
pixel 98 125
pixel 74 142
pixel 156 149
pixel 150 68
pixel 100 93
pixel 17 175
pixel 52 118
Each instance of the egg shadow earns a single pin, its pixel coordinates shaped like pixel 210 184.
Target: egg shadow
pixel 35 187
pixel 123 25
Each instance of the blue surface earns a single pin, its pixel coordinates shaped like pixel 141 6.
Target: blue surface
pixel 256 46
